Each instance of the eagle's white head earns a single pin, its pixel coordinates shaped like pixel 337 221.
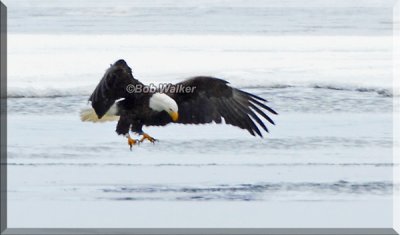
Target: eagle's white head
pixel 162 102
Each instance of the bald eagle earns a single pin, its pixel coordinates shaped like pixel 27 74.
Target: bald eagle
pixel 119 96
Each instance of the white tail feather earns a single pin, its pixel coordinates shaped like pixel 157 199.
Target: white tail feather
pixel 89 115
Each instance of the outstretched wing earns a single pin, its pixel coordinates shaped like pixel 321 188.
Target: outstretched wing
pixel 212 99
pixel 112 86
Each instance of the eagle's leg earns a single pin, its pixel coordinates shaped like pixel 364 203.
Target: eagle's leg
pixel 147 137
pixel 131 141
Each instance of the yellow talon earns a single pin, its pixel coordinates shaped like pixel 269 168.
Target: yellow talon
pixel 146 136
pixel 131 142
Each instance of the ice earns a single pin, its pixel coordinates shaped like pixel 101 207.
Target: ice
pixel 56 160
pixel 43 65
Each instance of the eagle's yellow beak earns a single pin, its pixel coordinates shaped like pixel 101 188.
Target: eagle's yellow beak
pixel 174 116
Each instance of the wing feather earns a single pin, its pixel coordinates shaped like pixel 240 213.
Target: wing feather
pixel 237 117
pixel 112 86
pixel 214 99
pixel 263 106
pixel 243 115
pixel 262 113
pixel 253 115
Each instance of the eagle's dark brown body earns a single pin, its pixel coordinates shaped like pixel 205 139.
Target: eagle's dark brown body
pixel 212 100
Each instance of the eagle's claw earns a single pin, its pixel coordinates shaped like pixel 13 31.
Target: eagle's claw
pixel 149 138
pixel 132 142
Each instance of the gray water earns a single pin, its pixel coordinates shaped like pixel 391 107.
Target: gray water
pixel 202 17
